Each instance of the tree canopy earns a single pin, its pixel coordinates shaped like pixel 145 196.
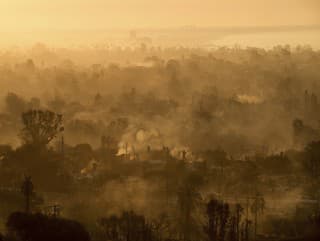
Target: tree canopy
pixel 40 126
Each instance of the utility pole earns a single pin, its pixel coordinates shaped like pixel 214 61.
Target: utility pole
pixel 27 190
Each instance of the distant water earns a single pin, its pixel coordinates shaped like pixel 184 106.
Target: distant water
pixel 270 39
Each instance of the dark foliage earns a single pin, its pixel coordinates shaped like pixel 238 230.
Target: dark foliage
pixel 127 227
pixel 40 127
pixel 38 227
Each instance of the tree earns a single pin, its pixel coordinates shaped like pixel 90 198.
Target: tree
pixel 213 219
pixel 238 214
pixel 128 227
pixel 311 164
pixel 312 155
pixel 188 200
pixel 27 190
pixel 224 219
pixel 257 207
pixel 40 127
pixel 219 216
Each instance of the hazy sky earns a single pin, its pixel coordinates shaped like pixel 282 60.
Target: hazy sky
pixel 93 14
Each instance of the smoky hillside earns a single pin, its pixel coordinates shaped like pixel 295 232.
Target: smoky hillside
pixel 171 138
pixel 241 100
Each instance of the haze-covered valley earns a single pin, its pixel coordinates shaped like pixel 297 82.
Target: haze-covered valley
pixel 229 123
pixel 159 120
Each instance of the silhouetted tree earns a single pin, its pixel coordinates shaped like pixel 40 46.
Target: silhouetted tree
pixel 213 219
pixel 257 208
pixel 218 214
pixel 27 190
pixel 238 215
pixel 40 127
pixel 312 163
pixel 128 227
pixel 188 200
